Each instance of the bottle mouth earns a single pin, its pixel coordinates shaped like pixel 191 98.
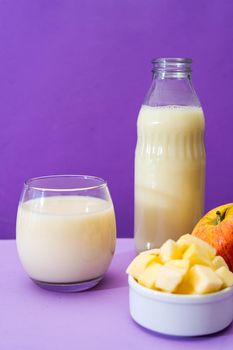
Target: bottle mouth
pixel 172 65
pixel 167 60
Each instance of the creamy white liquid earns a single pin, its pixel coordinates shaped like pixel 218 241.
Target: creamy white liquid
pixel 169 173
pixel 64 239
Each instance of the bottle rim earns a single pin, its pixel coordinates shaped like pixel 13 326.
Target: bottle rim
pixel 170 60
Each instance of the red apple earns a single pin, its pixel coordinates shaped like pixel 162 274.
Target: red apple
pixel 216 228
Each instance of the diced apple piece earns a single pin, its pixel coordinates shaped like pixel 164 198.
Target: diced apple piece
pixel 204 280
pixel 148 277
pixel 180 264
pixel 139 264
pixel 168 279
pixel 196 255
pixel 186 240
pixel 169 251
pixel 154 251
pixel 226 276
pixel 218 262
pixel 185 286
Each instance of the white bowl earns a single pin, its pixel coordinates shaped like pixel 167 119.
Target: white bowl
pixel 180 315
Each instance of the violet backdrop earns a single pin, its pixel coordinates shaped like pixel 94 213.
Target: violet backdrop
pixel 73 75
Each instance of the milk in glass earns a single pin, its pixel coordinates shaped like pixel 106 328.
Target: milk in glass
pixel 65 239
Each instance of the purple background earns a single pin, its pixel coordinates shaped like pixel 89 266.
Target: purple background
pixel 73 75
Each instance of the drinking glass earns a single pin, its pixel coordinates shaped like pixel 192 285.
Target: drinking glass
pixel 66 231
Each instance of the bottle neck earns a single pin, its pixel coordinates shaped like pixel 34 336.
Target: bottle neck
pixel 172 68
pixel 172 83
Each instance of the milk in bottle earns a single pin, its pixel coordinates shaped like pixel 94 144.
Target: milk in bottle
pixel 169 158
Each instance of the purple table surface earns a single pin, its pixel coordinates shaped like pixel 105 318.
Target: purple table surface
pixel 32 318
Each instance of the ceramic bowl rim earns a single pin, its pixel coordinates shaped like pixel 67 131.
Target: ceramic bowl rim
pixel 179 298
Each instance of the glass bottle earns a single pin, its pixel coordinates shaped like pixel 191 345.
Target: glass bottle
pixel 170 156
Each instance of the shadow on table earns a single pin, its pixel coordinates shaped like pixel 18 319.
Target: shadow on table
pixel 116 276
pixel 225 332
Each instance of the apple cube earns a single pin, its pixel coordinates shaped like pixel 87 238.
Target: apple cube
pixel 226 276
pixel 154 251
pixel 139 264
pixel 186 240
pixel 148 277
pixel 180 264
pixel 169 251
pixel 204 280
pixel 168 279
pixel 196 255
pixel 218 262
pixel 185 286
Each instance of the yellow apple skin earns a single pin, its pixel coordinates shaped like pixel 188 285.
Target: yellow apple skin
pixel 216 228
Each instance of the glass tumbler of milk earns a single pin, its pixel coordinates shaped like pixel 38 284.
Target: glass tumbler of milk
pixel 65 231
pixel 170 156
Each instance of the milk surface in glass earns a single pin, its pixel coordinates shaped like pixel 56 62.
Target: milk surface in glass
pixel 169 173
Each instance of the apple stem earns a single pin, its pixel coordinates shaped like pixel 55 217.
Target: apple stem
pixel 218 217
